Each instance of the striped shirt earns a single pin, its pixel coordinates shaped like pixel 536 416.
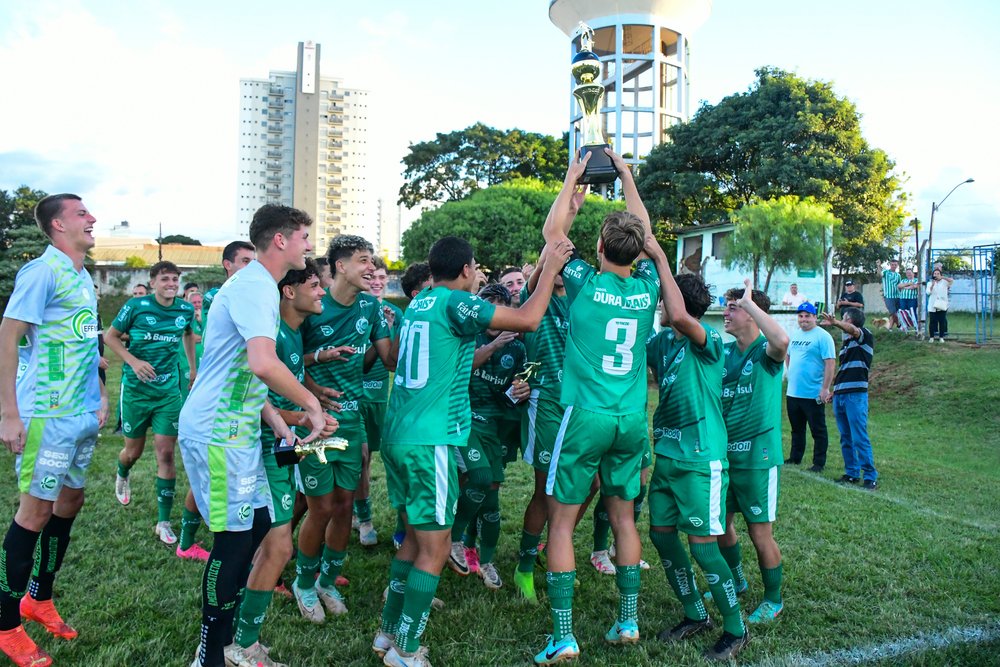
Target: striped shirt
pixel 855 362
pixel 890 284
pixel 910 292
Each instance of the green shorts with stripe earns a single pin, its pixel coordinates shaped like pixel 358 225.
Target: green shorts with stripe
pixel 374 416
pixel 57 452
pixel 281 482
pixel 591 443
pixel 483 451
pixel 539 429
pixel 140 412
pixel 422 480
pixel 342 470
pixel 228 483
pixel 689 496
pixel 754 493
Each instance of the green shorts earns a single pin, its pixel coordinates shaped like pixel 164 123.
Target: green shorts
pixel 342 470
pixel 591 443
pixel 281 481
pixel 754 493
pixel 483 451
pixel 422 480
pixel 140 411
pixel 689 496
pixel 374 416
pixel 539 429
pixel 509 432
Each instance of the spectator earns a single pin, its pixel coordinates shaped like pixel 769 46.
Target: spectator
pixel 908 288
pixel 937 305
pixel 890 292
pixel 850 298
pixel 810 375
pixel 140 290
pixel 794 298
pixel 188 289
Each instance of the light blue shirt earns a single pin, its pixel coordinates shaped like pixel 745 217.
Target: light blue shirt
pixel 807 352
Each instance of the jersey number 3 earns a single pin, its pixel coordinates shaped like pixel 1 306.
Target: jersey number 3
pixel 414 353
pixel 620 363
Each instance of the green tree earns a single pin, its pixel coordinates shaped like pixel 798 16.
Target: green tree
pixel 20 238
pixel 207 277
pixel 135 262
pixel 504 224
pixel 952 263
pixel 180 239
pixel 458 163
pixel 784 233
pixel 785 136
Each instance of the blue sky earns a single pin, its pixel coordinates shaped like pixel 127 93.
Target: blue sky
pixel 136 105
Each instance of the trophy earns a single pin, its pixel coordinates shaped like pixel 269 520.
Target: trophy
pixel 588 91
pixel 523 375
pixel 288 453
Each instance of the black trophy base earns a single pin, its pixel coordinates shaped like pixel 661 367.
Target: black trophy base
pixel 600 169
pixel 284 453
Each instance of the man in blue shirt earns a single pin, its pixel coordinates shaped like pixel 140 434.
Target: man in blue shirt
pixel 810 360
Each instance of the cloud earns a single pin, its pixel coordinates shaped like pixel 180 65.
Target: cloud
pixel 41 173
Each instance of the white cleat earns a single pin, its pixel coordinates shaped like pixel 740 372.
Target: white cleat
pixel 165 532
pixel 123 491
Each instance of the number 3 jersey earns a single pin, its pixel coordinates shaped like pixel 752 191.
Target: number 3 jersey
pixel 610 318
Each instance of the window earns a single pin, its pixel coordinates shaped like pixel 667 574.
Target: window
pixel 637 39
pixel 720 245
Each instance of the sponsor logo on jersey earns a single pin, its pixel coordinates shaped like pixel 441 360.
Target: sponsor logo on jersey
pixel 756 510
pixel 574 271
pixel 326 330
pixel 84 324
pixel 180 322
pixel 727 392
pixel 466 311
pixel 294 358
pixel 234 428
pixel 245 512
pixel 310 482
pixel 53 399
pixel 669 380
pixel 680 355
pixel 638 302
pixel 286 502
pixel 747 367
pixel 53 460
pixel 559 376
pixel 474 455
pixel 47 483
pixel 361 326
pixel 507 361
pixel 603 296
pixel 740 446
pixel 372 384
pixel 544 458
pixel 150 320
pixel 348 406
pixel 725 372
pixel 748 389
pixel 161 338
pixel 695 521
pixel 421 305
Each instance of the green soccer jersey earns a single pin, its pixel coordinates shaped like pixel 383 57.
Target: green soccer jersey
pixel 357 325
pixel 547 345
pixel 185 372
pixel 376 381
pixel 289 349
pixel 491 380
pixel 429 404
pixel 751 406
pixel 688 424
pixel 609 319
pixel 155 334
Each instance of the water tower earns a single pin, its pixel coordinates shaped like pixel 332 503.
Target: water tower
pixel 645 53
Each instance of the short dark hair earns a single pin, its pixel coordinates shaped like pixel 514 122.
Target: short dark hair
pixel 163 267
pixel 448 256
pixel 143 286
pixel 344 246
pixel 696 293
pixel 379 262
pixel 855 316
pixel 509 270
pixel 271 219
pixel 49 208
pixel 760 298
pixel 188 286
pixel 414 276
pixel 495 292
pixel 623 236
pixel 229 252
pixel 299 276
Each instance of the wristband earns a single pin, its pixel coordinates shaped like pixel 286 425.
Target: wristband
pixel 316 356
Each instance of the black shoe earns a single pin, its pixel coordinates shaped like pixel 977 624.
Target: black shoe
pixel 847 479
pixel 792 462
pixel 728 646
pixel 816 468
pixel 684 629
pixel 870 485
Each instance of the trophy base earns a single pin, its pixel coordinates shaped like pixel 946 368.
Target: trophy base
pixel 284 453
pixel 600 169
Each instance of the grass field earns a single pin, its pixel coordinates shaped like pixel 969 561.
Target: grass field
pixel 867 575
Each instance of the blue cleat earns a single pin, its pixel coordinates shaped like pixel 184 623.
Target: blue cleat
pixel 558 651
pixel 623 632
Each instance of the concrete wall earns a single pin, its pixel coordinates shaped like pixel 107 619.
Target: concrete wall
pixel 962 296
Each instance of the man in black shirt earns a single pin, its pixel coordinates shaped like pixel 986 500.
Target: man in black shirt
pixel 850 298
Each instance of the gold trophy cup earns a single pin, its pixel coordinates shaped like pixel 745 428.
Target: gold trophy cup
pixel 589 91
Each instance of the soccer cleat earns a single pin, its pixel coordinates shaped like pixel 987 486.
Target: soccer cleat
pixel 767 612
pixel 22 650
pixel 395 657
pixel 309 605
pixel 869 485
pixel 367 534
pixel 456 560
pixel 164 531
pixel 601 561
pixel 123 491
pixel 684 629
pixel 382 643
pixel 558 651
pixel 488 573
pixel 332 600
pixel 255 655
pixel 728 646
pixel 472 558
pixel 193 552
pixel 44 613
pixel 739 591
pixel 525 582
pixel 847 479
pixel 623 632
pixel 643 565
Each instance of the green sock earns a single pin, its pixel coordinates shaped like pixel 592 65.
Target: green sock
pixel 679 572
pixel 772 583
pixel 469 501
pixel 420 589
pixel 527 552
pixel 305 570
pixel 399 570
pixel 330 565
pixel 251 616
pixel 190 521
pixel 724 589
pixel 363 508
pixel 602 526
pixel 637 503
pixel 627 578
pixel 734 558
pixel 164 498
pixel 560 587
pixel 123 469
pixel 489 533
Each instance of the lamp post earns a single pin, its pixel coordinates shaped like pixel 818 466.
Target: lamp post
pixel 934 208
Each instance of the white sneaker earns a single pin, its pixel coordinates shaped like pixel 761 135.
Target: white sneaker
pixel 382 643
pixel 309 605
pixel 332 600
pixel 602 562
pixel 488 573
pixel 396 658
pixel 123 491
pixel 165 532
pixel 367 534
pixel 256 655
pixel 643 565
pixel 457 561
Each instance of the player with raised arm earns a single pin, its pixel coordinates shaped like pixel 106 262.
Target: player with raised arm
pixel 428 415
pixel 603 430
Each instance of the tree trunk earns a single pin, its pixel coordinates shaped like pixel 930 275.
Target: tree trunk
pixel 767 281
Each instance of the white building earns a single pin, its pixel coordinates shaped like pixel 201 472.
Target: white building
pixel 304 143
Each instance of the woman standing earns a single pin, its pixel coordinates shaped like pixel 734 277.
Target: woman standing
pixel 937 305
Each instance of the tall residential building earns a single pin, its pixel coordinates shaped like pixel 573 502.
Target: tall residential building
pixel 304 143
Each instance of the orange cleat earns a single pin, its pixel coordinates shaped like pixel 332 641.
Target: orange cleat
pixel 44 612
pixel 20 648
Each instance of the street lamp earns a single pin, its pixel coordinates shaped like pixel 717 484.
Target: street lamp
pixel 934 208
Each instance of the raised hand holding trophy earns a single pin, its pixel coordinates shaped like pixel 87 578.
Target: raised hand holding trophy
pixel 588 91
